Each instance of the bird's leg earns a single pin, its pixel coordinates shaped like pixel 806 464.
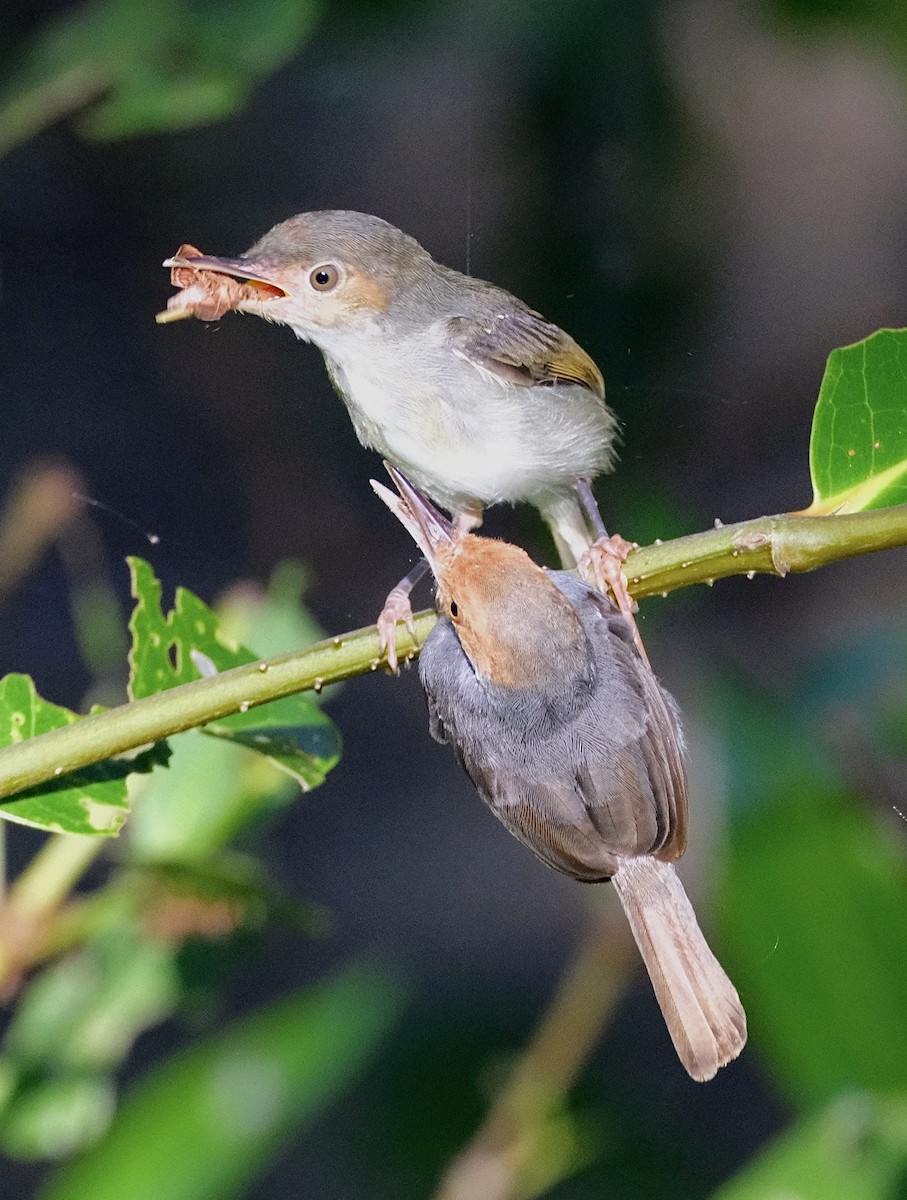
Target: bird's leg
pixel 605 560
pixel 468 518
pixel 398 608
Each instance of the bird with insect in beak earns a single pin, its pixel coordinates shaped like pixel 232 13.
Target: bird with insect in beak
pixel 476 397
pixel 535 680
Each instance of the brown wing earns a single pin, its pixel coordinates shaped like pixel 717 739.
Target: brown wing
pixel 522 347
pixel 666 767
pixel 551 820
pixel 662 748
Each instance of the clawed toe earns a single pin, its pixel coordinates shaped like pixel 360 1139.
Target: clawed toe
pixel 604 561
pixel 397 608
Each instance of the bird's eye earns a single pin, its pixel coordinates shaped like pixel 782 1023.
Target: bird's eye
pixel 454 609
pixel 324 278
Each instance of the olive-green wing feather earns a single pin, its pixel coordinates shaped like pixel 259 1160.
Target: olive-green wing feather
pixel 521 347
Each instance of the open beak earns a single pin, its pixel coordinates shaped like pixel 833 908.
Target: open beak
pixel 239 268
pixel 430 528
pixel 210 287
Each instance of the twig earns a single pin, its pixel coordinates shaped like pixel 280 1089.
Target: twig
pixel 510 1147
pixel 775 545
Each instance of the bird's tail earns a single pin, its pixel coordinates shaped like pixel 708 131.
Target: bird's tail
pixel 700 1004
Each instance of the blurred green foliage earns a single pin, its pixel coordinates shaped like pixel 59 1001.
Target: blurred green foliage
pixel 814 915
pixel 130 67
pixel 855 1148
pixel 202 1125
pixel 177 884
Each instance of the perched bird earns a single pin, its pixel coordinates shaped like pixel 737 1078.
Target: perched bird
pixel 534 678
pixel 476 397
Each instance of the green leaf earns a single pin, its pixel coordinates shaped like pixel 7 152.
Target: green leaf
pixel 151 104
pixel 258 37
pixel 240 881
pixel 201 1126
pixel 307 752
pixel 858 448
pixel 139 66
pixel 856 1149
pixel 813 913
pixel 76 1021
pixel 84 1012
pixel 54 1118
pixel 186 644
pixel 91 801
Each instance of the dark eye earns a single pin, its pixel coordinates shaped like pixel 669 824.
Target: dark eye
pixel 324 278
pixel 454 609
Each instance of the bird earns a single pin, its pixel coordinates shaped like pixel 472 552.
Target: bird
pixel 534 678
pixel 474 395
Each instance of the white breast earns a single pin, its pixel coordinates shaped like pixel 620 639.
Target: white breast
pixel 463 437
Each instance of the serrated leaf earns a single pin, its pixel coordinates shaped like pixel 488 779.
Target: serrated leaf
pixel 307 752
pixel 203 1124
pixel 186 644
pixel 858 448
pixel 91 801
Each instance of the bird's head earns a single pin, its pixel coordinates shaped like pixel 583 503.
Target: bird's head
pixel 517 628
pixel 318 272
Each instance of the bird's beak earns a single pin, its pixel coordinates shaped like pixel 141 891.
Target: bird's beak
pixel 240 268
pixel 430 528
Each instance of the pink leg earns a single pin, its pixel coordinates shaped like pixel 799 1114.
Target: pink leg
pixel 605 559
pixel 398 608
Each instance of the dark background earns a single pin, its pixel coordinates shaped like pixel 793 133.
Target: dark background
pixel 710 197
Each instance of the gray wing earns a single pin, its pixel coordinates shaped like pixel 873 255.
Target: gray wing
pixel 520 346
pixel 608 782
pixel 646 744
pixel 656 750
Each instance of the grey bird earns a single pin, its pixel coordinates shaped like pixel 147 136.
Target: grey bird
pixel 476 397
pixel 535 680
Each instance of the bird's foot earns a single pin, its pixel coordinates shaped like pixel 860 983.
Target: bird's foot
pixel 603 563
pixel 397 608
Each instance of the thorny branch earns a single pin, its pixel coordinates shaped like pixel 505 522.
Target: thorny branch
pixel 774 545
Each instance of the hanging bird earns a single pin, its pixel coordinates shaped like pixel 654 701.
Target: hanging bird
pixel 478 399
pixel 534 678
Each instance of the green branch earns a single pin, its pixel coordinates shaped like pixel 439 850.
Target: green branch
pixel 774 545
pixel 768 545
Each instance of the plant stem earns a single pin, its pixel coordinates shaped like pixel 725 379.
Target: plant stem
pixel 775 545
pixel 512 1148
pixel 53 873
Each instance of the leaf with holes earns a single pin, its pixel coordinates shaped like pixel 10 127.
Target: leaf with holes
pixel 186 644
pixel 91 801
pixel 858 448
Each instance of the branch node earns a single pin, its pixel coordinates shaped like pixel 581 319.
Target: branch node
pixel 752 540
pixel 780 564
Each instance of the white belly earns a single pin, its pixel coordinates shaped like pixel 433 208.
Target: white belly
pixel 482 441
